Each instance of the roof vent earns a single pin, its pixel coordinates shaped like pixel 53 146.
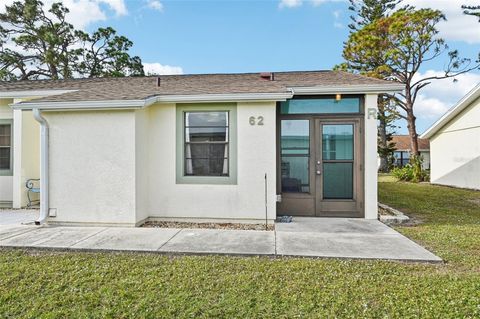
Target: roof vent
pixel 267 76
pixel 158 81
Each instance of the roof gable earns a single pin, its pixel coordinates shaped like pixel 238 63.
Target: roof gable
pixel 453 112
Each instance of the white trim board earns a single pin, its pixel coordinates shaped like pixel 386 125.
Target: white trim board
pixel 132 104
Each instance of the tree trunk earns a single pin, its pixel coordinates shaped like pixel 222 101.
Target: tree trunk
pixel 412 132
pixel 411 125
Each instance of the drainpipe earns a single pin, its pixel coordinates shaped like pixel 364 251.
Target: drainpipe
pixel 43 166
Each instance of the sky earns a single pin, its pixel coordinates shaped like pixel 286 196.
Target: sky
pixel 179 36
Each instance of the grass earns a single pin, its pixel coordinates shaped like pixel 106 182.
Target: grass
pixel 96 285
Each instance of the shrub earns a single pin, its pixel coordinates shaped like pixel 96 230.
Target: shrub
pixel 412 172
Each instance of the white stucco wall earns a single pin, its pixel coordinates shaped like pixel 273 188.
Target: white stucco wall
pixel 371 196
pixel 142 171
pixel 256 149
pixel 119 167
pixel 92 167
pixel 455 150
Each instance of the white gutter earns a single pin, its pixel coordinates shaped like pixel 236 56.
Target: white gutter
pixel 43 166
pixel 132 104
pixel 233 97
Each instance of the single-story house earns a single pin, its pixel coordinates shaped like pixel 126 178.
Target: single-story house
pixel 207 147
pixel 402 150
pixel 455 144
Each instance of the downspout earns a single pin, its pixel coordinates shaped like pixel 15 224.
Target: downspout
pixel 43 166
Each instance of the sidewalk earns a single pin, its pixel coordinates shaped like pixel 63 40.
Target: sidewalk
pixel 306 237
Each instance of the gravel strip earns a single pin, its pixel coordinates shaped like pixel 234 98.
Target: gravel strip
pixel 235 226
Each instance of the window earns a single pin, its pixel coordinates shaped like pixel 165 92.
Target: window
pixel 6 147
pixel 295 155
pixel 206 144
pixel 337 153
pixel 324 105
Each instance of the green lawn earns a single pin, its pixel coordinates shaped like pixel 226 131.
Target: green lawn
pixel 40 284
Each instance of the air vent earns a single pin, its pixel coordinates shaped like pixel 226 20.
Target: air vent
pixel 267 76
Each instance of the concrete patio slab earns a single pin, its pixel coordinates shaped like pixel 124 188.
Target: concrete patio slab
pixel 7 231
pixel 215 241
pixel 335 225
pixel 338 245
pixel 54 237
pixel 136 239
pixel 305 237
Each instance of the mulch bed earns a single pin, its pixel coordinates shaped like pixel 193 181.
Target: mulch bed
pixel 234 226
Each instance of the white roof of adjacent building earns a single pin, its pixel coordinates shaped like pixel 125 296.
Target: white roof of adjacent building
pixel 453 112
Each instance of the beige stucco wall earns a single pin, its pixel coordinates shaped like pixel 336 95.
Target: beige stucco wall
pixel 30 155
pixel 26 154
pixel 256 149
pixel 92 167
pixel 6 182
pixel 455 150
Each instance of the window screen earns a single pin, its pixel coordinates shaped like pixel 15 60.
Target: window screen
pixel 5 146
pixel 206 143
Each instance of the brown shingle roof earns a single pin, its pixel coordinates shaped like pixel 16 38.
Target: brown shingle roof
pixel 139 88
pixel 402 143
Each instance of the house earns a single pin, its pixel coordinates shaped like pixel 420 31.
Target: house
pixel 455 144
pixel 207 147
pixel 402 151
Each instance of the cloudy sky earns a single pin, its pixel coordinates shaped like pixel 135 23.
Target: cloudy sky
pixel 180 36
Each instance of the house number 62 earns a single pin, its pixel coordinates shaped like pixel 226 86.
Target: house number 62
pixel 255 120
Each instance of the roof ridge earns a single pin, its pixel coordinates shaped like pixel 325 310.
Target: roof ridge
pixel 163 75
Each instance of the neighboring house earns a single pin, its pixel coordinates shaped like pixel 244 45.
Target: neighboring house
pixel 19 150
pixel 224 147
pixel 455 144
pixel 402 150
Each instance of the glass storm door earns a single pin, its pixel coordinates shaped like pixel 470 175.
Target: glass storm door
pixel 338 182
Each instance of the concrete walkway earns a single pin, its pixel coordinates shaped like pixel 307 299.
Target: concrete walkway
pixel 306 237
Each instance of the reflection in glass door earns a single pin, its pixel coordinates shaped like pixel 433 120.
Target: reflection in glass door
pixel 337 157
pixel 295 156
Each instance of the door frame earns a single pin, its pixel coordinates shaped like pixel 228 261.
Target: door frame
pixel 358 171
pixel 305 203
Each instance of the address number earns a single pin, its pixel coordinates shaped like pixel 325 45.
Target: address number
pixel 256 120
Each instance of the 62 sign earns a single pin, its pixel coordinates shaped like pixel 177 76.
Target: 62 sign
pixel 255 120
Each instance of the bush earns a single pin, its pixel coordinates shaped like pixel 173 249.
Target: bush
pixel 412 172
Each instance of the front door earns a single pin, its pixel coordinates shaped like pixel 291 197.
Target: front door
pixel 321 162
pixel 338 182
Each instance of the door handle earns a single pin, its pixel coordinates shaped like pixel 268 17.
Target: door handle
pixel 319 172
pixel 318 168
